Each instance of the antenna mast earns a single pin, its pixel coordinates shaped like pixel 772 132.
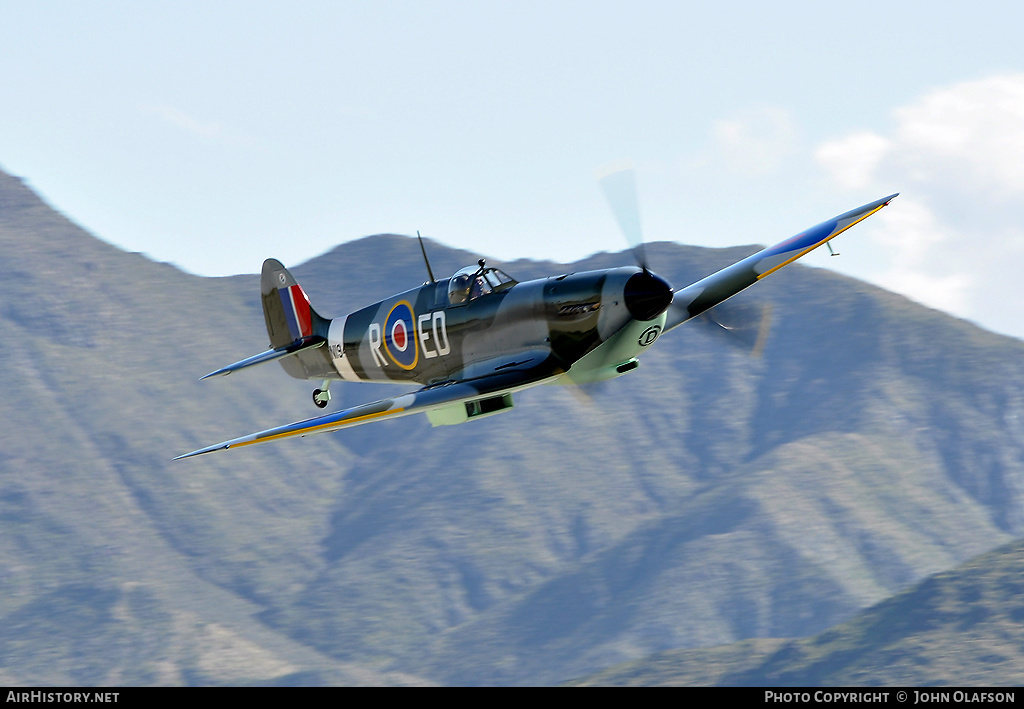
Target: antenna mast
pixel 425 259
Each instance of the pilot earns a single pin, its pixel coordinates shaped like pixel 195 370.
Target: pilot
pixel 458 293
pixel 479 288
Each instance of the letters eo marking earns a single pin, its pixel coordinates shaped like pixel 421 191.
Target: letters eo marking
pixel 403 341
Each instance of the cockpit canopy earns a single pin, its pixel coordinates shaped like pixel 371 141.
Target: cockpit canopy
pixel 474 281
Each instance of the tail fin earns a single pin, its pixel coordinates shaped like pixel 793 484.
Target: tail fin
pixel 286 308
pixel 296 330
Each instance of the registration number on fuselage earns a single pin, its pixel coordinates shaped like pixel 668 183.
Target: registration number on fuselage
pixel 398 342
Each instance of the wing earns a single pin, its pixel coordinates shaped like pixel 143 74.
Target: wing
pixel 708 292
pixel 529 371
pixel 300 345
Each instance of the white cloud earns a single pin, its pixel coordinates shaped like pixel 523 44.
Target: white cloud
pixel 946 293
pixel 916 245
pixel 852 160
pixel 756 142
pixel 208 130
pixel 953 240
pixel 184 121
pixel 911 233
pixel 971 134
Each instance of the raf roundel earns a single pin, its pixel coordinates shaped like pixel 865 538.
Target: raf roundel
pixel 399 335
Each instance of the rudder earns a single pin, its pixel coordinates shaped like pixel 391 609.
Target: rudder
pixel 286 308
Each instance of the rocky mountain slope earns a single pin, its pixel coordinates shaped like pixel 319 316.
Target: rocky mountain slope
pixel 959 628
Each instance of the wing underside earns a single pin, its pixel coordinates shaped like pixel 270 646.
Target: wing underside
pixel 428 399
pixel 706 293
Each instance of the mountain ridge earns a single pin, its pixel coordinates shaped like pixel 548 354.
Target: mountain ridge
pixel 934 634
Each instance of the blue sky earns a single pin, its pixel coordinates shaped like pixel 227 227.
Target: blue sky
pixel 215 134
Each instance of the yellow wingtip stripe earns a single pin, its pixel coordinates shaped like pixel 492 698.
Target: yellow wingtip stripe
pixel 313 429
pixel 812 248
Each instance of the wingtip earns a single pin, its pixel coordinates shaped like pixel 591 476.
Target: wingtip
pixel 201 451
pixel 222 372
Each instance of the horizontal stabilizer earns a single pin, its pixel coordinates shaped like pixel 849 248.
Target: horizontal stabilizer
pixel 306 343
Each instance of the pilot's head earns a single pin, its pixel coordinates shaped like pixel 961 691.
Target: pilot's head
pixel 459 290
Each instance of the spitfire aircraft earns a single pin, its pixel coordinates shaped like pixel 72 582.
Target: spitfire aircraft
pixel 472 341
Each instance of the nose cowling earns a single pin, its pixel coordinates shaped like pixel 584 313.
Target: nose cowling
pixel 647 296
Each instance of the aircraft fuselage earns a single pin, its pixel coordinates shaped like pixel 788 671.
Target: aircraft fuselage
pixel 422 336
